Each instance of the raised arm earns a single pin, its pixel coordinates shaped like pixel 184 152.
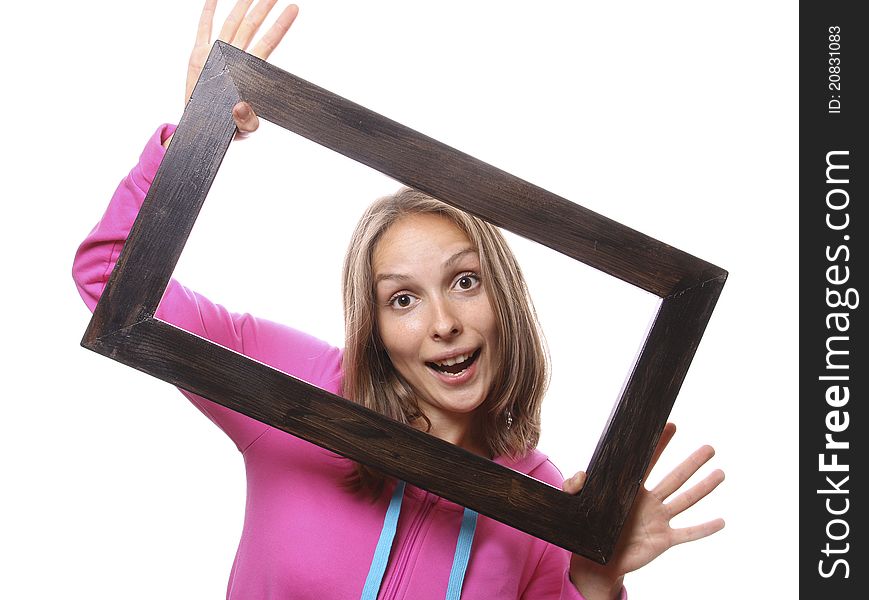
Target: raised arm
pixel 281 347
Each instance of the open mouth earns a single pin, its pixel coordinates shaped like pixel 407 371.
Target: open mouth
pixel 455 366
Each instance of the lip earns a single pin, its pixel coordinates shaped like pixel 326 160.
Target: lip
pixel 453 354
pixel 456 380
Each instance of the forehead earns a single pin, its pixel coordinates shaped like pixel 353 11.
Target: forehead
pixel 418 239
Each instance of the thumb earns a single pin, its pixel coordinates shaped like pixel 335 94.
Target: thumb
pixel 245 119
pixel 574 484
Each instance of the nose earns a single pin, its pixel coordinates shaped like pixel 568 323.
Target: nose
pixel 446 323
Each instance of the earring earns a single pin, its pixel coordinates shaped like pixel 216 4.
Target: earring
pixel 509 419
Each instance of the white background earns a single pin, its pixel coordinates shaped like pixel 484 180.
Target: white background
pixel 678 119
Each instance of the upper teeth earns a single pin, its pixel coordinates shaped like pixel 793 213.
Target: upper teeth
pixel 454 360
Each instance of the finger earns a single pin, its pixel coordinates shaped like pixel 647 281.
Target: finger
pixel 245 119
pixel 270 40
pixel 206 19
pixel 690 497
pixel 230 26
pixel 682 473
pixel 666 435
pixel 574 484
pixel 250 24
pixel 696 532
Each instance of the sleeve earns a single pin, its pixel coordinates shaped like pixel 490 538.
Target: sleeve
pixel 281 347
pixel 551 577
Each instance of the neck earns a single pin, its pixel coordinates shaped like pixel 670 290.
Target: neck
pixel 459 430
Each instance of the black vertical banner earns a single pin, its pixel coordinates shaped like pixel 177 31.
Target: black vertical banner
pixel 833 370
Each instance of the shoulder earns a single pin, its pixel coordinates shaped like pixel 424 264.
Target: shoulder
pixel 537 465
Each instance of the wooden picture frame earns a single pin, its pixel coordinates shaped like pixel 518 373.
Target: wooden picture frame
pixel 123 326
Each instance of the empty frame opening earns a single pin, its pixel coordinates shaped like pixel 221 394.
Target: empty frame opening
pixel 271 238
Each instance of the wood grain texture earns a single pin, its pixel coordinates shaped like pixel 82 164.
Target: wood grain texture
pixel 289 404
pixel 464 181
pixel 172 204
pixel 123 325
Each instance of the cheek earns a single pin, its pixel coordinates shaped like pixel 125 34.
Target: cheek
pixel 400 336
pixel 484 317
pixel 490 330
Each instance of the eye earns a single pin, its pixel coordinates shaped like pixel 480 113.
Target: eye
pixel 402 300
pixel 467 281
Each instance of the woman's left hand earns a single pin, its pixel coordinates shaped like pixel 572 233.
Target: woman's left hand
pixel 239 29
pixel 647 533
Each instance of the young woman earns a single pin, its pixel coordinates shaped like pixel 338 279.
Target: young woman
pixel 441 335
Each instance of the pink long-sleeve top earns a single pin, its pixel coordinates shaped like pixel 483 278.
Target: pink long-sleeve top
pixel 305 536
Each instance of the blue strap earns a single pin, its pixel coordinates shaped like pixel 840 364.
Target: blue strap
pixel 384 545
pixel 463 553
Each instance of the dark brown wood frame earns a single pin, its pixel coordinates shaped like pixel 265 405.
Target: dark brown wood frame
pixel 123 326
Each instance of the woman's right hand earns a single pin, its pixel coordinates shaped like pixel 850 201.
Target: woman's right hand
pixel 239 30
pixel 647 532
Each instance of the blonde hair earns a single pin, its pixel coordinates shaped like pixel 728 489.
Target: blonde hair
pixel 369 376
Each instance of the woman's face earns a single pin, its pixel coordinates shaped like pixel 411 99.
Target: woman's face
pixel 435 319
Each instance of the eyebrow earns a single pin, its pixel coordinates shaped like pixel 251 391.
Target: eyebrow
pixel 459 256
pixel 390 277
pixel 448 263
